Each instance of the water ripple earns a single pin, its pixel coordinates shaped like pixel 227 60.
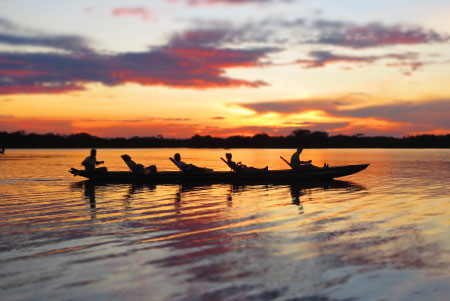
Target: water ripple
pixel 381 235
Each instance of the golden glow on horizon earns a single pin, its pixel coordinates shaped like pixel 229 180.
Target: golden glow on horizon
pixel 159 82
pixel 135 115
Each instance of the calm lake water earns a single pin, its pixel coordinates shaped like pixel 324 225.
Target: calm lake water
pixel 382 234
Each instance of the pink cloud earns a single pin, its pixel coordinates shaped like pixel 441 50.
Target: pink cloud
pixel 183 66
pixel 141 12
pixel 88 10
pixel 228 2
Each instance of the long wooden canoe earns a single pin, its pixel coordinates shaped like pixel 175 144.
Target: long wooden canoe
pixel 270 176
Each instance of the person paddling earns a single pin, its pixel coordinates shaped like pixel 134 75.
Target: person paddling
pixel 91 161
pixel 296 163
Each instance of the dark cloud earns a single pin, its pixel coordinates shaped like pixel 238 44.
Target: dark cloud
pixel 212 37
pixel 314 126
pixel 409 61
pixel 323 58
pixel 219 35
pixel 170 66
pixel 7 25
pixel 16 35
pixel 70 43
pixel 196 58
pixel 181 63
pixel 435 111
pixel 325 32
pixel 291 107
pixel 373 34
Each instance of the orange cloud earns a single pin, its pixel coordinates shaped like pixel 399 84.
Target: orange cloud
pixel 38 125
pixel 397 118
pixel 168 127
pixel 432 132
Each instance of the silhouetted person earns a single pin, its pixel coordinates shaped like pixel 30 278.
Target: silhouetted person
pixel 187 167
pixel 296 163
pixel 90 162
pixel 2 151
pixel 137 168
pixel 241 167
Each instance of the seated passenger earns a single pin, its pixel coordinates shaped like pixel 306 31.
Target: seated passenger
pixel 241 167
pixel 187 167
pixel 90 162
pixel 138 168
pixel 296 163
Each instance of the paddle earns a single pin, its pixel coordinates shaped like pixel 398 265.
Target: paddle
pixel 286 161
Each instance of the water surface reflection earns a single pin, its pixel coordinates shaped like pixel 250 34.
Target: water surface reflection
pixel 297 190
pixel 219 240
pixel 380 235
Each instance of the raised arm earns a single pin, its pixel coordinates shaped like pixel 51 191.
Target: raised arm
pixel 228 164
pixel 235 166
pixel 175 162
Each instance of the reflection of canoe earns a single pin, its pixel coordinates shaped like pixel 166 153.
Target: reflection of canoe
pixel 271 176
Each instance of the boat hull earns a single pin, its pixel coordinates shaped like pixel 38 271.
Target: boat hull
pixel 271 176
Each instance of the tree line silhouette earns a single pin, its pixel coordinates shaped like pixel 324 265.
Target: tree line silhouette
pixel 306 138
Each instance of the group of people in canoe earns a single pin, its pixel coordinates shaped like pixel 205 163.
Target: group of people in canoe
pixel 90 164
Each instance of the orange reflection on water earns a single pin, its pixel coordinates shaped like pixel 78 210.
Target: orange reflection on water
pixel 391 217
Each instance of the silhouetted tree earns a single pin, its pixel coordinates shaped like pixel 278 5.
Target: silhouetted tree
pixel 306 138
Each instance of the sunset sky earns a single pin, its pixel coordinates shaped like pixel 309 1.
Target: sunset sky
pixel 225 67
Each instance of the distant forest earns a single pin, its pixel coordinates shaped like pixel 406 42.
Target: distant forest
pixel 306 138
